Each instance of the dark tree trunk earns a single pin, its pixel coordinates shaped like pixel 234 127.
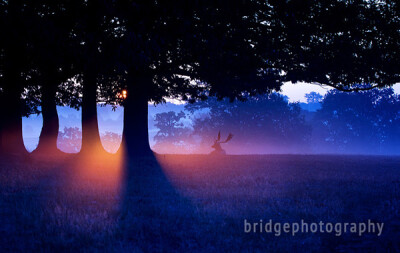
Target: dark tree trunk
pixel 12 140
pixel 2 111
pixel 90 129
pixel 49 133
pixel 135 141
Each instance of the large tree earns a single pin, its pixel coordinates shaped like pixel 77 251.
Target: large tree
pixel 188 51
pixel 53 66
pixel 93 31
pixel 234 49
pixel 15 64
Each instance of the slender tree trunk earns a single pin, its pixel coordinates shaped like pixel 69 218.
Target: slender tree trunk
pixel 2 111
pixel 135 141
pixel 49 133
pixel 90 129
pixel 12 140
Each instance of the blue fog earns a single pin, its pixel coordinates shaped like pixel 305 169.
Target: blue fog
pixel 109 121
pixel 331 122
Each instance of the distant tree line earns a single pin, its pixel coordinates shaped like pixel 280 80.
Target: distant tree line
pixel 365 122
pixel 70 140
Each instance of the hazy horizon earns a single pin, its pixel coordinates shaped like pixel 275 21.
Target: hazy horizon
pixel 112 121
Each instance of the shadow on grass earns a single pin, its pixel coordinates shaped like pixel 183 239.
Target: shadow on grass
pixel 154 215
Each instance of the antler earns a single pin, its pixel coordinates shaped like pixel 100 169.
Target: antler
pixel 219 136
pixel 230 136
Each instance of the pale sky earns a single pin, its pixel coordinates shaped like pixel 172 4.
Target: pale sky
pixel 296 91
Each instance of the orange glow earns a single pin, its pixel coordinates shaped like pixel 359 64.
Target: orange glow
pixel 123 94
pixel 96 173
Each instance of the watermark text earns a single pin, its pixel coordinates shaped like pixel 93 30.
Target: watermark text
pixel 293 228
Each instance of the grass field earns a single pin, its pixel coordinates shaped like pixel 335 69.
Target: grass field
pixel 195 203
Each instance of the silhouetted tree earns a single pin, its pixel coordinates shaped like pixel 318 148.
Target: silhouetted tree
pixel 69 140
pixel 313 97
pixel 233 49
pixel 93 30
pixel 111 141
pixel 53 65
pixel 36 41
pixel 265 123
pixel 15 65
pixel 188 51
pixel 363 122
pixel 173 135
pixel 168 123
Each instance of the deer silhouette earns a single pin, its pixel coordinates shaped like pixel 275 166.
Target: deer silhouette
pixel 217 144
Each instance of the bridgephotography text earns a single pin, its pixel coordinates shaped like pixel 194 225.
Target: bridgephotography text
pixel 294 228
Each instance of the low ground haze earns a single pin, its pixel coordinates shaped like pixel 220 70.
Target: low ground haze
pixel 183 202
